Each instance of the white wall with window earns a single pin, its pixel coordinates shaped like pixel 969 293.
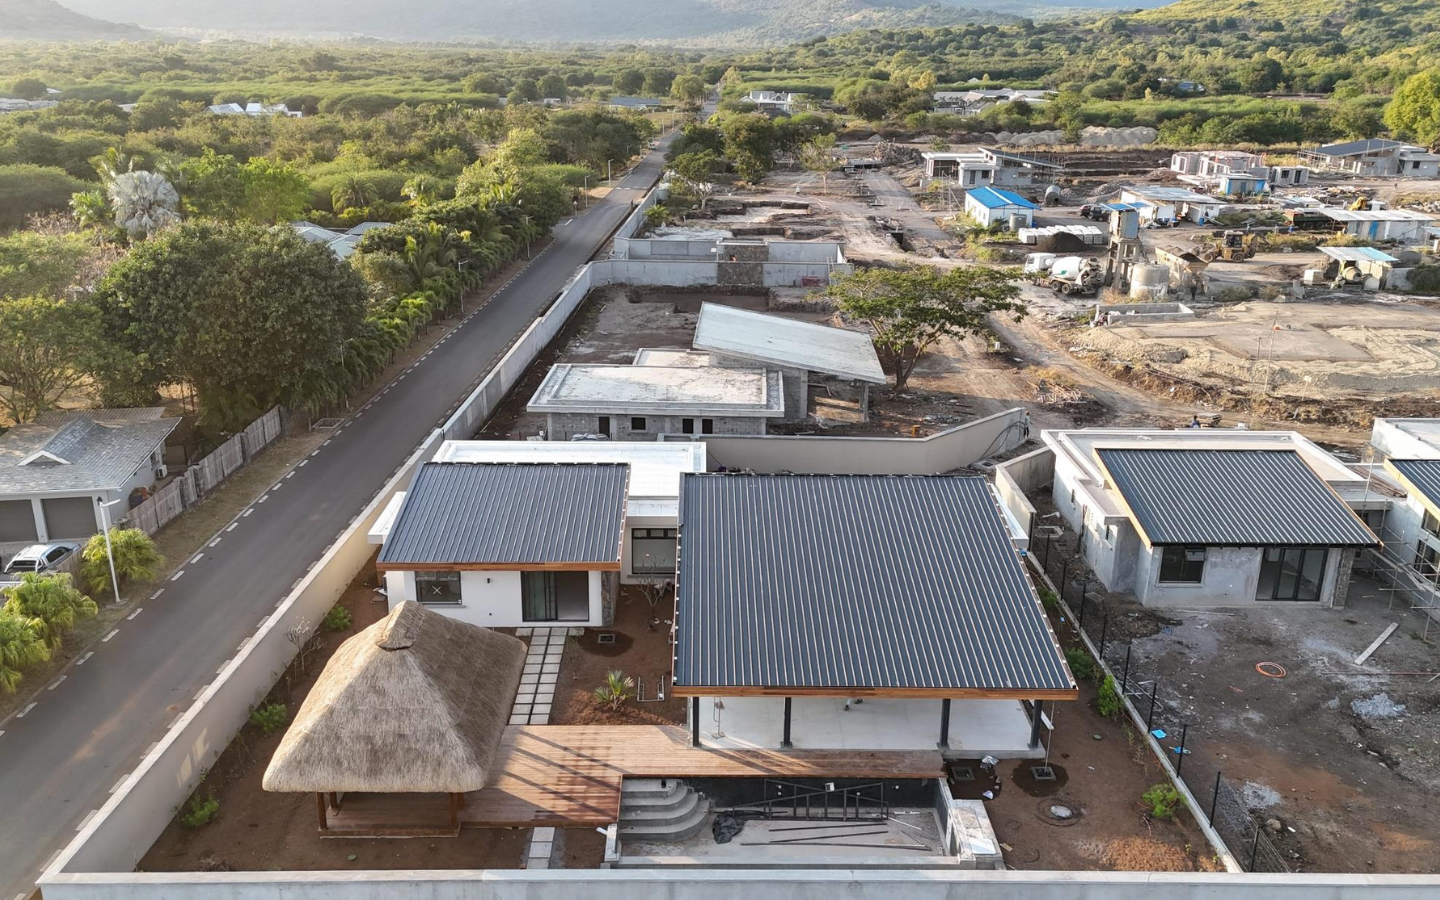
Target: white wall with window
pixel 504 599
pixel 1237 576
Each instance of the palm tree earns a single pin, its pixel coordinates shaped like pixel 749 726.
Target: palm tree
pixel 618 689
pixel 422 190
pixel 90 208
pixel 20 647
pixel 144 202
pixel 111 165
pixel 136 558
pixel 53 601
pixel 353 191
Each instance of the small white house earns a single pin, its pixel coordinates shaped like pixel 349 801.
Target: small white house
pixel 1170 204
pixel 773 101
pixel 523 533
pixel 1201 517
pixel 1408 455
pixel 1405 226
pixel 994 206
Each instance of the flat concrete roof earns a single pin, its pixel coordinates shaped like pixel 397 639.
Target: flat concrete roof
pixel 778 341
pixel 669 356
pixel 1378 215
pixel 638 390
pixel 655 467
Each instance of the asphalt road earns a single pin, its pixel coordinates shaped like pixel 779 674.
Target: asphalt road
pixel 60 759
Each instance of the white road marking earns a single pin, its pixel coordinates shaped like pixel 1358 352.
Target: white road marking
pixel 291 474
pixel 326 444
pixel 232 526
pixel 118 783
pixel 263 498
pixel 57 682
pixel 157 594
pixel 214 542
pixel 21 713
pixel 247 512
pixel 86 821
pixel 81 660
pixel 138 611
pixel 106 638
pixel 222 667
pixel 176 576
pixel 304 462
pixel 196 558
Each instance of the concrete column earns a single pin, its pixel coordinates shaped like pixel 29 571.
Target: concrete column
pixel 694 721
pixel 37 507
pixel 1036 720
pixel 945 724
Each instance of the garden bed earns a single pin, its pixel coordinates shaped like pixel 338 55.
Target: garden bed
pixel 640 650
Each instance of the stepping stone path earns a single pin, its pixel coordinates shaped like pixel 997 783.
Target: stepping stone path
pixel 532 707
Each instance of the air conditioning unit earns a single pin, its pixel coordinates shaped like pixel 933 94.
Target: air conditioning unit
pixel 161 471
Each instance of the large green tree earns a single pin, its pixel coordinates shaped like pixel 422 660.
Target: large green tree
pixel 1414 110
pixel 258 190
pixel 53 601
pixel 749 144
pixel 48 347
pixel 910 309
pixel 246 314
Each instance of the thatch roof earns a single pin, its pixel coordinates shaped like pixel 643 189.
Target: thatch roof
pixel 414 703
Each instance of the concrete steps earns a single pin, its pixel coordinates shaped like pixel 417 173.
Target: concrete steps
pixel 660 810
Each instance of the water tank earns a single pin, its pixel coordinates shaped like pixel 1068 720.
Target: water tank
pixel 1018 221
pixel 1052 195
pixel 1149 282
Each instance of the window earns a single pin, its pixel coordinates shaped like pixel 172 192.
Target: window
pixel 687 426
pixel 554 596
pixel 1292 573
pixel 1430 525
pixel 652 551
pixel 1110 532
pixel 437 588
pixel 707 426
pixel 604 426
pixel 1415 164
pixel 637 423
pixel 1427 562
pixel 1182 565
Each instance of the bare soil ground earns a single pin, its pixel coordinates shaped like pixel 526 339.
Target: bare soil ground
pixel 1355 789
pixel 256 830
pixel 1102 768
pixel 641 650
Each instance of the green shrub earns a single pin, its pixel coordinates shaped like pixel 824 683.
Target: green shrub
pixel 1162 800
pixel 1048 599
pixel 28 189
pixel 337 619
pixel 1232 294
pixel 1299 242
pixel 50 603
pixel 136 559
pixel 200 813
pixel 1108 701
pixel 270 719
pixel 1081 665
pixel 1425 279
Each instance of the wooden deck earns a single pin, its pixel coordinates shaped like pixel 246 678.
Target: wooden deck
pixel 570 774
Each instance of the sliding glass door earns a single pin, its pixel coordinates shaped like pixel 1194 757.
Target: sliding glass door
pixel 539 601
pixel 1292 573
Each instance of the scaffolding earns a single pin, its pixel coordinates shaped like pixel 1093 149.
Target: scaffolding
pixel 1417 579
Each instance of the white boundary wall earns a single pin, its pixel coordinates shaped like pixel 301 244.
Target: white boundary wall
pixel 953 448
pixel 713 884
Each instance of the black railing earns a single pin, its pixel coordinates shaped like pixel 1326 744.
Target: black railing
pixel 788 800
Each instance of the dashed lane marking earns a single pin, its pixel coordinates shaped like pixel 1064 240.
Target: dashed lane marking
pixel 138 611
pixel 157 594
pixel 106 638
pixel 176 576
pixel 214 542
pixel 21 714
pixel 232 527
pixel 57 682
pixel 247 512
pixel 196 558
pixel 81 660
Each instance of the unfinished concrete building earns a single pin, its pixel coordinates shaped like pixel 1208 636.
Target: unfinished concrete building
pixel 640 403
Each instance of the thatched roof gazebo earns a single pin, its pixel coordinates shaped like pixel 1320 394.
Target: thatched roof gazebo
pixel 414 704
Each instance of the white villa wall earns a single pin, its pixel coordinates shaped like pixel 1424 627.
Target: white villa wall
pixel 490 599
pixel 1393 442
pixel 1231 578
pixel 963 445
pixel 627 568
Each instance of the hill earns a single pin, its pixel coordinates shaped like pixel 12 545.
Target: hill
pixel 48 20
pixel 691 22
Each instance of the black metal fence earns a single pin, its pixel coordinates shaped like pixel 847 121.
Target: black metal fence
pixel 1243 833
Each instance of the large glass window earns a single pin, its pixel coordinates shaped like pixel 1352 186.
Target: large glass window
pixel 1427 561
pixel 1182 565
pixel 652 551
pixel 1292 573
pixel 554 596
pixel 1430 525
pixel 438 588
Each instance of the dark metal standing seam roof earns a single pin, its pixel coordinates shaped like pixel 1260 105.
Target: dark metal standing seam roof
pixel 1423 475
pixel 1232 498
pixel 859 581
pixel 477 513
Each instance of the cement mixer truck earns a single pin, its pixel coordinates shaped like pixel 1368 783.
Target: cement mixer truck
pixel 1066 274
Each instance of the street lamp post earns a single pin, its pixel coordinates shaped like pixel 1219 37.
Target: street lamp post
pixel 608 178
pixel 109 551
pixel 587 190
